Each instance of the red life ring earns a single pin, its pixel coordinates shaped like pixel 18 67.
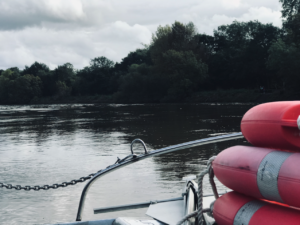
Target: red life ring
pixel 235 209
pixel 273 125
pixel 261 173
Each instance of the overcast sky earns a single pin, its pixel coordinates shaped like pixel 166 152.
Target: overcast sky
pixel 58 31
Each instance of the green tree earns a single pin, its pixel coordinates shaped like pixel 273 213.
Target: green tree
pixel 291 20
pixel 284 54
pixel 98 78
pixel 184 73
pixel 290 8
pixel 65 73
pixel 64 78
pixel 241 50
pixel 292 30
pixel 61 89
pixel 18 89
pixel 49 82
pixel 205 46
pixel 160 43
pixel 6 85
pixel 179 37
pixel 141 85
pixel 27 87
pixel 284 60
pixel 102 63
pixel 137 57
pixel 35 68
pixel 177 55
pixel 43 72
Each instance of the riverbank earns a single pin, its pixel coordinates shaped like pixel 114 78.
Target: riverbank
pixel 241 95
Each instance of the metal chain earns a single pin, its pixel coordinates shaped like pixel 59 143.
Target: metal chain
pixel 63 184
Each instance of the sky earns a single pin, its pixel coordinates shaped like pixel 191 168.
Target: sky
pixel 55 32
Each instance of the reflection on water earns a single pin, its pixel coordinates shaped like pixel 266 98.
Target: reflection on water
pixel 49 144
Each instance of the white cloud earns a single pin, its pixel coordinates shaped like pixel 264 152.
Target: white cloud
pixel 124 31
pixel 263 15
pixel 66 9
pixel 55 47
pixel 55 32
pixel 228 4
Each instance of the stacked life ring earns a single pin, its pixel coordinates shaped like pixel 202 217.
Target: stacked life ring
pixel 265 179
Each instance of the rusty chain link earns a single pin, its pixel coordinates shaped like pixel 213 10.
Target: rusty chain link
pixel 63 184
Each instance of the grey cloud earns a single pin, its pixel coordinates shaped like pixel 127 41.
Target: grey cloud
pixel 54 47
pixel 59 14
pixel 20 14
pixel 59 31
pixel 72 14
pixel 274 5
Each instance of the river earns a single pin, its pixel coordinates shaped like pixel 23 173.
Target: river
pixel 48 144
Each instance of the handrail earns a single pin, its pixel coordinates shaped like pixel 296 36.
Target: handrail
pixel 138 140
pixel 161 151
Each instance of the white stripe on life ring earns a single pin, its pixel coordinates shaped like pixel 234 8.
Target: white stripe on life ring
pixel 246 212
pixel 267 174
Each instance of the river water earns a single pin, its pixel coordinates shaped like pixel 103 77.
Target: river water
pixel 48 144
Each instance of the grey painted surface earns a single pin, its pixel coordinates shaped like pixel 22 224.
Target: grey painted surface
pixel 245 213
pixel 267 174
pixel 168 212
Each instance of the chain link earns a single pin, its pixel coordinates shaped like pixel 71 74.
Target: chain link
pixel 47 187
pixel 63 184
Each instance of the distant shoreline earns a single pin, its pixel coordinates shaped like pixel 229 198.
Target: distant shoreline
pixel 220 96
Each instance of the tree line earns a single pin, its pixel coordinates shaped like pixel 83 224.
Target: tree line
pixel 177 63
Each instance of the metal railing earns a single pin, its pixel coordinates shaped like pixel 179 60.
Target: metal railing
pixel 134 158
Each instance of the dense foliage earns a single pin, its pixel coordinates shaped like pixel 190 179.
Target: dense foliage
pixel 284 58
pixel 177 63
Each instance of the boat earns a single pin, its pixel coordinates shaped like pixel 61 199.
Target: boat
pixel 259 176
pixel 178 210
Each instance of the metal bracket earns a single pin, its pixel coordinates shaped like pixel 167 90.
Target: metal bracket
pixel 138 140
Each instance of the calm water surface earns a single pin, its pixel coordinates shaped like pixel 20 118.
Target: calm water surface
pixel 48 144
